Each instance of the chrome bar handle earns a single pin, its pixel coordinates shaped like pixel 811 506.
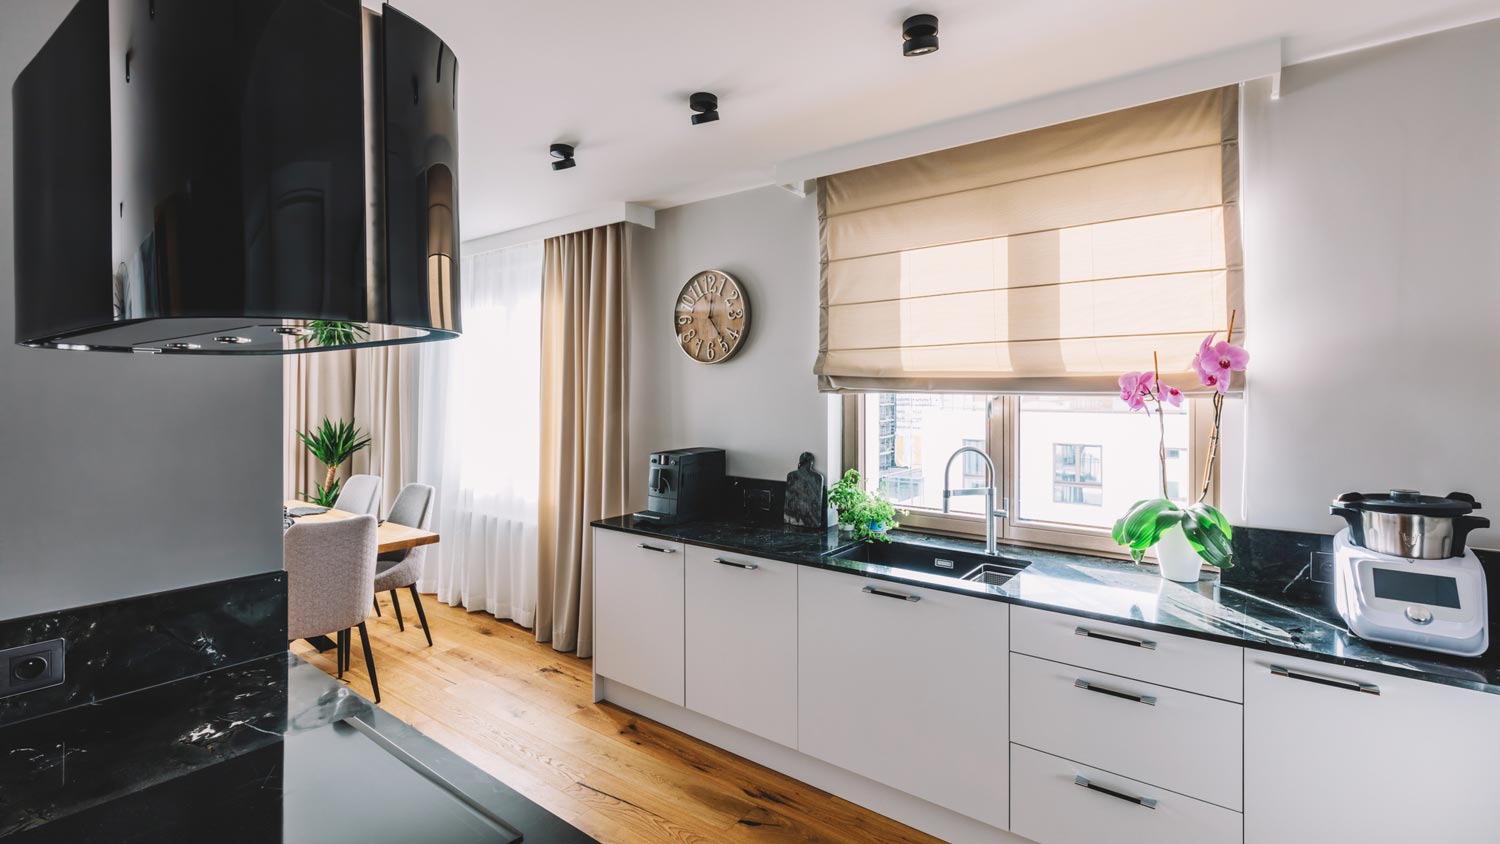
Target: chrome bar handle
pixel 1119 640
pixel 1349 685
pixel 1148 802
pixel 658 550
pixel 746 566
pixel 1086 686
pixel 870 590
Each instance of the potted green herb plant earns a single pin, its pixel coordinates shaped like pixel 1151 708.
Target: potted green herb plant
pixel 868 514
pixel 331 444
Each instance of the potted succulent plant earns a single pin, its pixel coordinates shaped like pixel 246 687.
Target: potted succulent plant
pixel 1184 536
pixel 867 514
pixel 331 444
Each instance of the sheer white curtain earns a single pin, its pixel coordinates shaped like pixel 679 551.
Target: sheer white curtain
pixel 479 405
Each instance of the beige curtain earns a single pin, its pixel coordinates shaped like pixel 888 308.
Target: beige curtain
pixel 376 388
pixel 1047 261
pixel 313 386
pixel 384 406
pixel 583 430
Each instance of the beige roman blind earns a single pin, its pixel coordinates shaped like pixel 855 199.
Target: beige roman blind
pixel 1049 261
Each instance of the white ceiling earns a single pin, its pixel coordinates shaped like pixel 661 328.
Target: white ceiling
pixel 796 77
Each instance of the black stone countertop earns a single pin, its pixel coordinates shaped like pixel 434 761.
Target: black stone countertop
pixel 1262 603
pixel 265 751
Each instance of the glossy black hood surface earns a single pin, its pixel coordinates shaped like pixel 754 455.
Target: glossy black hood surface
pixel 236 176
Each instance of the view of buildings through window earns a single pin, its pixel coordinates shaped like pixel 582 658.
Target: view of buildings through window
pixel 1079 460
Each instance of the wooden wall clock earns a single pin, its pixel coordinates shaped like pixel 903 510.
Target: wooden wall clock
pixel 711 317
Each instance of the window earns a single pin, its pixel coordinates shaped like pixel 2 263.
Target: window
pixel 1050 455
pixel 1076 472
pixel 915 433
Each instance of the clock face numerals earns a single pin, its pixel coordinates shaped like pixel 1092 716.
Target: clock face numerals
pixel 711 317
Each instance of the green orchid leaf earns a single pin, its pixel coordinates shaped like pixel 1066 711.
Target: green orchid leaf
pixel 1212 514
pixel 1143 525
pixel 1209 539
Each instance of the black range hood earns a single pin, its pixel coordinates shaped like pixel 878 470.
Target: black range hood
pixel 236 177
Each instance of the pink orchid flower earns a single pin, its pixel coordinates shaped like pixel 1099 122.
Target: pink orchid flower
pixel 1170 395
pixel 1215 361
pixel 1135 389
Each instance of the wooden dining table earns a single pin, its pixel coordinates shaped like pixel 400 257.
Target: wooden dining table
pixel 389 535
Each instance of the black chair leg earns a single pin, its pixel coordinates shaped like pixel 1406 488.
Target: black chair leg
pixel 396 603
pixel 421 616
pixel 364 638
pixel 377 606
pixel 339 643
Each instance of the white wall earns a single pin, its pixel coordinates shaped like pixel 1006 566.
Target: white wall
pixel 123 474
pixel 1373 278
pixel 762 405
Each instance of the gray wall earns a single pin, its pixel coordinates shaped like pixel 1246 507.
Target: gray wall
pixel 1373 278
pixel 123 475
pixel 1373 262
pixel 763 404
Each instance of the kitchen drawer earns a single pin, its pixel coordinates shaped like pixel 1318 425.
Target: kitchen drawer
pixel 1169 738
pixel 1182 662
pixel 1055 801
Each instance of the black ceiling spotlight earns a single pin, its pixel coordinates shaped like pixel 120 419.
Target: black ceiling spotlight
pixel 564 155
pixel 920 35
pixel 706 105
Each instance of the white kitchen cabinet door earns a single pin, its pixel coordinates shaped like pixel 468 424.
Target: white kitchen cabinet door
pixel 638 607
pixel 742 642
pixel 1327 759
pixel 909 693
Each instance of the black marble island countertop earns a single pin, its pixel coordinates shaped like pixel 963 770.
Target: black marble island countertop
pixel 1266 602
pixel 266 751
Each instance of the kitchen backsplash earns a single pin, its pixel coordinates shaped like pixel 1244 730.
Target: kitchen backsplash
pixel 122 646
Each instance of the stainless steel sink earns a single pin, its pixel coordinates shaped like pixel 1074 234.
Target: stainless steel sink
pixel 933 560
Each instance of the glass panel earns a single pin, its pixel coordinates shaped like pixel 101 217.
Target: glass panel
pixel 912 435
pixel 1083 460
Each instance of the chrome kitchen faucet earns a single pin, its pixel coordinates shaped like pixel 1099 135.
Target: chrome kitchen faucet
pixel 991 514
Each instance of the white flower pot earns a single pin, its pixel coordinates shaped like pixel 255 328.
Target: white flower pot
pixel 1176 557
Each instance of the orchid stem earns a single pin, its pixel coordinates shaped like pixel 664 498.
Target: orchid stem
pixel 1213 440
pixel 1161 424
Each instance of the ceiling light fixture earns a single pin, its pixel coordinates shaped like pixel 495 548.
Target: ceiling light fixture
pixel 919 35
pixel 564 155
pixel 706 105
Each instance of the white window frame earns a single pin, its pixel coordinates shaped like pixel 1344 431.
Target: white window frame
pixel 1003 444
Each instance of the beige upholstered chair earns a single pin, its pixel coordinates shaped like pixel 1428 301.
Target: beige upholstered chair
pixel 330 572
pixel 361 494
pixel 401 569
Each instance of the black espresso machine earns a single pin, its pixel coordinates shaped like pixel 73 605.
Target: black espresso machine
pixel 685 484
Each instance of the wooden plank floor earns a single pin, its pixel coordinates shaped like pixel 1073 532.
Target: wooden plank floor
pixel 525 714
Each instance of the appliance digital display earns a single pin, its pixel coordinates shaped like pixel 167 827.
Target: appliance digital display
pixel 1414 588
